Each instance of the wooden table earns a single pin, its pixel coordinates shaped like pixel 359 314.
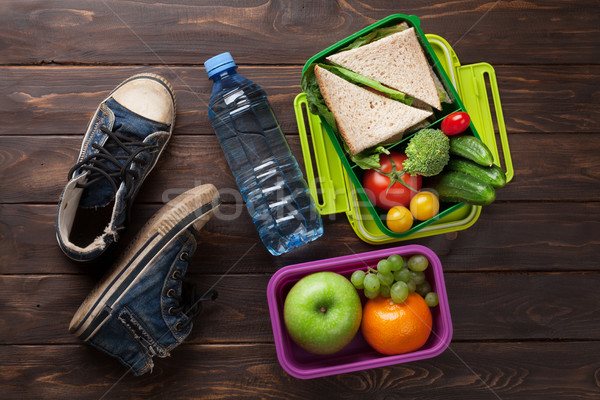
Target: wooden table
pixel 522 282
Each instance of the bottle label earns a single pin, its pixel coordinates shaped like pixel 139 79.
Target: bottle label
pixel 241 105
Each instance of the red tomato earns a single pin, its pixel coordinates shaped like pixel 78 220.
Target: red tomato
pixel 456 123
pixel 376 184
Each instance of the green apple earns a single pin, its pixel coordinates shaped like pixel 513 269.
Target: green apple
pixel 322 312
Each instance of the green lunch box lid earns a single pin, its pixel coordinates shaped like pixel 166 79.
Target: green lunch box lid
pixel 338 193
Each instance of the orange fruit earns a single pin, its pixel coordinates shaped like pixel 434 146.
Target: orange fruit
pixel 393 328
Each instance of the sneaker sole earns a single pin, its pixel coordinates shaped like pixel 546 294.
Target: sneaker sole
pixel 194 207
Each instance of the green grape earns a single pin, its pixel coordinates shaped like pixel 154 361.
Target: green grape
pixel 371 294
pixel 417 277
pixel 402 275
pixel 411 286
pixel 384 291
pixel 371 283
pixel 384 266
pixel 432 299
pixel 358 278
pixel 418 262
pixel 386 279
pixel 399 292
pixel 396 261
pixel 424 288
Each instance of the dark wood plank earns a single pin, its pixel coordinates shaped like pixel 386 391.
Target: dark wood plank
pixel 541 98
pixel 499 306
pixel 60 100
pixel 467 370
pixel 286 33
pixel 560 167
pixel 507 237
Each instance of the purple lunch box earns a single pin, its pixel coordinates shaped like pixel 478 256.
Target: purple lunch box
pixel 358 355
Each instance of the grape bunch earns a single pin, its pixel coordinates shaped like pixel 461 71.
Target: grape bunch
pixel 396 277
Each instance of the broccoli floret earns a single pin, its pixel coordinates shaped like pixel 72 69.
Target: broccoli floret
pixel 427 152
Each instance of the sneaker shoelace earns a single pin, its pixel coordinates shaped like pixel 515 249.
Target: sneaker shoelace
pixel 112 160
pixel 189 300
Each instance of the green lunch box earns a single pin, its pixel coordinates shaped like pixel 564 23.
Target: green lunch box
pixel 336 186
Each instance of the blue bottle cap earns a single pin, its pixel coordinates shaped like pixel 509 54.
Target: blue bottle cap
pixel 218 64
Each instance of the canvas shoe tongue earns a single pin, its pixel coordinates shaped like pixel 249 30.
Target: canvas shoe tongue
pixel 131 126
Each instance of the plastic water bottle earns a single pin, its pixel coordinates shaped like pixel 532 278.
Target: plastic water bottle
pixel 264 168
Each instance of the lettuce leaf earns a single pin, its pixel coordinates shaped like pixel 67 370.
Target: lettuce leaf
pixel 374 35
pixel 361 80
pixel 369 158
pixel 316 103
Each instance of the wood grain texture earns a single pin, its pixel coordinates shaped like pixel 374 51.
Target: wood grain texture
pixel 522 281
pixel 483 307
pixel 281 32
pixel 507 237
pixel 57 100
pixel 466 371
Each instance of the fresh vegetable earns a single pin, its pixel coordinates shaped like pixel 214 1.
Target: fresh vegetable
pixel 374 35
pixel 361 80
pixel 399 219
pixel 314 98
pixel 456 123
pixel 494 175
pixel 472 149
pixel 460 187
pixel 427 153
pixel 424 205
pixel 442 94
pixel 367 159
pixel 383 187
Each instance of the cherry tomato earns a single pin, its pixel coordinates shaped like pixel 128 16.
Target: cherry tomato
pixel 424 205
pixel 399 219
pixel 376 184
pixel 456 123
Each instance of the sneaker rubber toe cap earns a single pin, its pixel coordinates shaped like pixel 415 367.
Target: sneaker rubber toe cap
pixel 149 96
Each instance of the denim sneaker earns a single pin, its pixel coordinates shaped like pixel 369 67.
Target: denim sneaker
pixel 144 306
pixel 123 142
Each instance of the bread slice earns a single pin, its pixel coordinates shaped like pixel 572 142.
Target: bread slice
pixel 364 118
pixel 397 61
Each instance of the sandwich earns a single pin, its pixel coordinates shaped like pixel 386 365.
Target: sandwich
pixel 396 61
pixel 365 118
pixel 374 91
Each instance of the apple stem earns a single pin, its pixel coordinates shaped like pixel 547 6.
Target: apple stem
pixel 323 310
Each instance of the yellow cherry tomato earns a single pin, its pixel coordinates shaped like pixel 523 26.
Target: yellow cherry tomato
pixel 424 205
pixel 399 219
